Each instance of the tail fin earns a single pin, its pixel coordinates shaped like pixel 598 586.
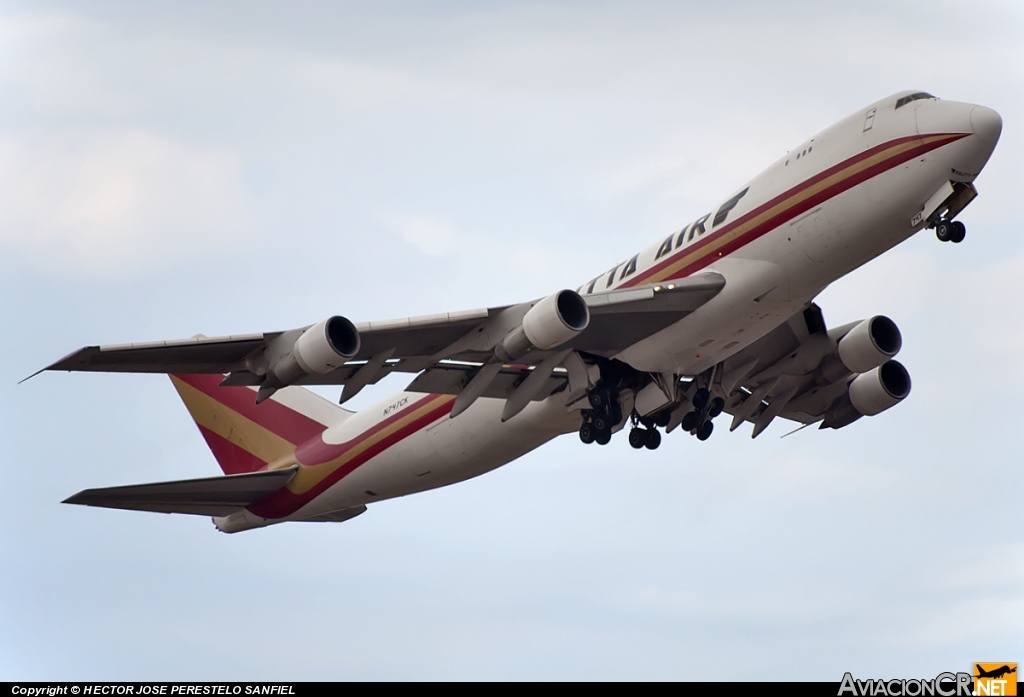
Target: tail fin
pixel 245 436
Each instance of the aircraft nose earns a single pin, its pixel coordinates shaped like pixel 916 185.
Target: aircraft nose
pixel 987 124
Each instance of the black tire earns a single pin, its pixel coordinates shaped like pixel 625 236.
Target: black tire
pixel 690 421
pixel 662 418
pixel 944 230
pixel 700 398
pixel 587 433
pixel 958 233
pixel 717 405
pixel 704 432
pixel 653 439
pixel 596 398
pixel 601 423
pixel 637 438
pixel 603 437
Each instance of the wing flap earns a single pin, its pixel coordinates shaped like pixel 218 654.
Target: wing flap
pixel 451 378
pixel 621 318
pixel 213 496
pixel 682 296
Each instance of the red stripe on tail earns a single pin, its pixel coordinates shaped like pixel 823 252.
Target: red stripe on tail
pixel 273 416
pixel 231 458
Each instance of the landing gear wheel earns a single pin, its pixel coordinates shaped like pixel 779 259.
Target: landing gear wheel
pixel 597 398
pixel 587 433
pixel 700 398
pixel 601 423
pixel 944 231
pixel 958 233
pixel 653 439
pixel 638 438
pixel 662 418
pixel 717 405
pixel 690 421
pixel 704 432
pixel 603 437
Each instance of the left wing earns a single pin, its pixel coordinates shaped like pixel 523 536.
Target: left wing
pixel 337 352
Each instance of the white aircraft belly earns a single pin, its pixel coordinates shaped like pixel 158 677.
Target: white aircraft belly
pixel 444 452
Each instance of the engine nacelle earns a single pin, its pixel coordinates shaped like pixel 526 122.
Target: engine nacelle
pixel 876 390
pixel 550 323
pixel 319 349
pixel 870 393
pixel 870 344
pixel 327 345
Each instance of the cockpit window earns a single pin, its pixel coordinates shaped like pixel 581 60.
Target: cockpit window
pixel 914 97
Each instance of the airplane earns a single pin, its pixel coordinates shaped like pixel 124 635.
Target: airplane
pixel 716 317
pixel 995 673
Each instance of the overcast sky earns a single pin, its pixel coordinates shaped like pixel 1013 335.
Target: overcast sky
pixel 168 169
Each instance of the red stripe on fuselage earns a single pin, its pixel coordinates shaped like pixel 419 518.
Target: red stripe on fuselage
pixel 316 452
pixel 284 502
pixel 794 210
pixel 287 423
pixel 232 459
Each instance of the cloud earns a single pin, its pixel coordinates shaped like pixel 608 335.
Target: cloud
pixel 430 236
pixel 434 237
pixel 968 312
pixel 100 203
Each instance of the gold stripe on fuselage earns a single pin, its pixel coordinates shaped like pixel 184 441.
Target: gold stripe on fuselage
pixel 781 207
pixel 309 476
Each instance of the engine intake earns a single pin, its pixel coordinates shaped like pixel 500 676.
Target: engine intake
pixel 870 393
pixel 319 349
pixel 327 345
pixel 870 344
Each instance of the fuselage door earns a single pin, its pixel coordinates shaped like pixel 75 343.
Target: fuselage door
pixel 869 120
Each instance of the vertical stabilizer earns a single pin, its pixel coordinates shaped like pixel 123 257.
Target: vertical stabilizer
pixel 245 436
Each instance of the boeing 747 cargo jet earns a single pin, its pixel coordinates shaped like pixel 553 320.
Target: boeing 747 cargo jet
pixel 718 316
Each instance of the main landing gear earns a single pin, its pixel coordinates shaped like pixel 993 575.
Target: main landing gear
pixel 950 231
pixel 604 413
pixel 698 422
pixel 648 437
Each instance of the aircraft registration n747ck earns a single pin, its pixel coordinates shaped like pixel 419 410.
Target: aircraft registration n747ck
pixel 718 316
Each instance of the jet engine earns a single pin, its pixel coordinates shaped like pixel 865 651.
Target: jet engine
pixel 870 393
pixel 550 323
pixel 318 349
pixel 870 344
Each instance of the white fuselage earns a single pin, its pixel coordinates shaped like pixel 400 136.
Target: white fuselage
pixel 830 205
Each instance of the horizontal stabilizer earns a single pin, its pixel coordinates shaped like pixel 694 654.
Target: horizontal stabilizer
pixel 212 496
